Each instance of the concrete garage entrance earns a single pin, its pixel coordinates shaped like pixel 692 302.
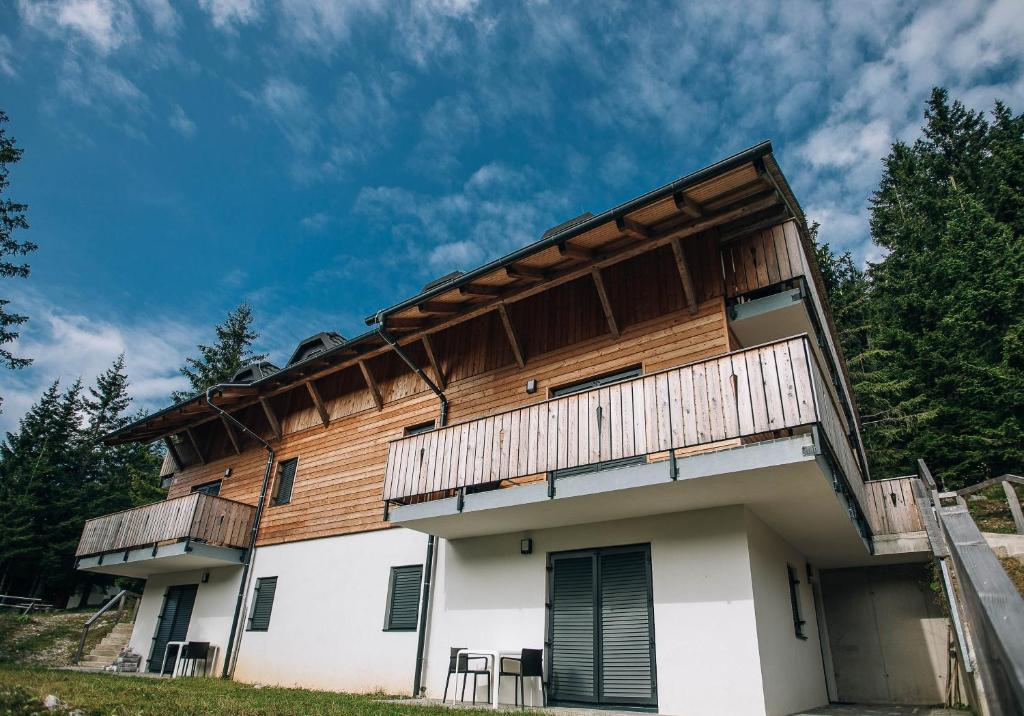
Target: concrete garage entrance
pixel 888 636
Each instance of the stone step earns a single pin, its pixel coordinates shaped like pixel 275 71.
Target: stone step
pixel 110 651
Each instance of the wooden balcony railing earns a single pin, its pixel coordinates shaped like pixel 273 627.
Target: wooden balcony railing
pixel 747 394
pixel 199 517
pixel 892 507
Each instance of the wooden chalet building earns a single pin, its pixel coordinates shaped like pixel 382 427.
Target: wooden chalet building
pixel 631 444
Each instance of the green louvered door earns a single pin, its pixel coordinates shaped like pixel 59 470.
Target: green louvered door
pixel 601 627
pixel 173 626
pixel 572 675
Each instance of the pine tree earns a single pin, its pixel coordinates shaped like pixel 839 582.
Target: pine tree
pixel 43 472
pixel 944 323
pixel 119 476
pixel 217 363
pixel 12 218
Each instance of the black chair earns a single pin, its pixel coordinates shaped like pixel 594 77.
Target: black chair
pixel 460 664
pixel 529 665
pixel 195 651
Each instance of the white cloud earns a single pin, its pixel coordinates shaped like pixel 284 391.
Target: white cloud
pixel 162 15
pixel 66 344
pixel 315 222
pixel 227 14
pixel 450 124
pixel 6 57
pixel 181 123
pixel 330 141
pixel 97 85
pixel 105 24
pixel 496 210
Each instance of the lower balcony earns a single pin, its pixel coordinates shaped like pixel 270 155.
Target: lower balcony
pixel 759 427
pixel 196 531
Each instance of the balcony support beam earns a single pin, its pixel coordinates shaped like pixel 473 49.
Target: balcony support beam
pixel 606 305
pixel 275 424
pixel 195 445
pixel 172 450
pixel 371 384
pixel 684 274
pixel 513 337
pixel 231 435
pixel 428 348
pixel 318 401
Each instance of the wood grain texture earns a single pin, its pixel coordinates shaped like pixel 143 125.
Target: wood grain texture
pixel 693 405
pixel 199 516
pixel 342 468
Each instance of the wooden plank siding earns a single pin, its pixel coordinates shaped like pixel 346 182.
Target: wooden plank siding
pixel 565 337
pixel 751 392
pixel 762 259
pixel 196 516
pixel 891 506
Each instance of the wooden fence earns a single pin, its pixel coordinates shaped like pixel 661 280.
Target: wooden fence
pixel 746 394
pixel 762 259
pixel 891 506
pixel 197 516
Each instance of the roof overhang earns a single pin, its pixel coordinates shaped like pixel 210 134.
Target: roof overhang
pixel 733 196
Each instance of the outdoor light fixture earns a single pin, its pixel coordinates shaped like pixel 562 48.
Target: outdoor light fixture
pixel 526 546
pixel 227 472
pixel 206 577
pixel 531 386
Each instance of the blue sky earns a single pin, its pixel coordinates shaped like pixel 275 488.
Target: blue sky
pixel 324 159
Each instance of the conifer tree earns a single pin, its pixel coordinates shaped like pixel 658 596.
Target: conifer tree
pixel 935 346
pixel 218 362
pixel 12 218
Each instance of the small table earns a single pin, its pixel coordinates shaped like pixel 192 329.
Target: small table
pixel 494 657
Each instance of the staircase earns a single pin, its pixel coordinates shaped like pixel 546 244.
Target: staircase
pixel 104 653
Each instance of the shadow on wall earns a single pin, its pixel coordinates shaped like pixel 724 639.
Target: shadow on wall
pixel 889 635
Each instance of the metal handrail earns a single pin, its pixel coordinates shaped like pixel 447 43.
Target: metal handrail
pixel 118 598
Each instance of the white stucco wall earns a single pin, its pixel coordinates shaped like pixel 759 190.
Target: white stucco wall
pixel 326 628
pixel 489 595
pixel 211 616
pixel 791 668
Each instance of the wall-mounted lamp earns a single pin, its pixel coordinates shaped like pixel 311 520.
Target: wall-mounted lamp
pixel 531 386
pixel 227 472
pixel 205 578
pixel 526 546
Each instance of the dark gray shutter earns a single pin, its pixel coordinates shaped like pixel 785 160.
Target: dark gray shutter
pixel 403 598
pixel 285 480
pixel 572 635
pixel 174 620
pixel 262 604
pixel 627 669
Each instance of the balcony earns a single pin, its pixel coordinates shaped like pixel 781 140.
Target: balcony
pixel 760 409
pixel 196 531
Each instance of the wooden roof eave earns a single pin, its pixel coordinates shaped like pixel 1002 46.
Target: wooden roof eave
pixel 620 251
pixel 632 238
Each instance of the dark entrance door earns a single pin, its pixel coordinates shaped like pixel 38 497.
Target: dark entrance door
pixel 601 627
pixel 173 624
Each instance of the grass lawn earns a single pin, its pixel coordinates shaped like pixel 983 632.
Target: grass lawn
pixel 108 694
pixel 990 510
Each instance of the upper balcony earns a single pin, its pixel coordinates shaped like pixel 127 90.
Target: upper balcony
pixel 196 531
pixel 765 409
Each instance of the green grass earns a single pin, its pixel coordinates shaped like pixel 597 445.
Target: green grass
pixel 47 639
pixel 110 695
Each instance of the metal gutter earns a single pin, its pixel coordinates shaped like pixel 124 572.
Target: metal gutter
pixel 747 155
pixel 243 584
